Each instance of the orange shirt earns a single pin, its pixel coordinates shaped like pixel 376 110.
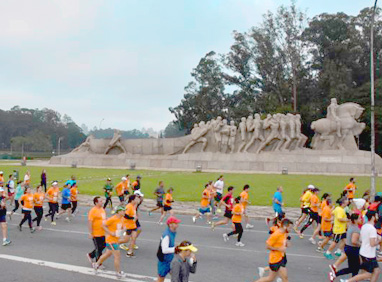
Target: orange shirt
pixel 314 203
pixel 114 224
pixel 324 203
pixel 131 211
pixel 120 188
pixel 276 240
pixel 1 181
pixel 273 228
pixel 326 226
pixel 238 208
pixel 205 198
pixel 97 216
pixel 52 194
pixel 244 196
pixel 38 199
pixel 27 200
pixel 168 200
pixel 349 188
pixel 73 194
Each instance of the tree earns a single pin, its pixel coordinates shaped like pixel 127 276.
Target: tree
pixel 172 130
pixel 205 98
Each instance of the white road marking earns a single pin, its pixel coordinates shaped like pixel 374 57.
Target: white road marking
pixel 80 269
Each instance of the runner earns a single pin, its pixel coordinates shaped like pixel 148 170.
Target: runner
pixel 130 225
pixel 245 201
pixel 159 192
pixel 277 243
pixel 167 208
pixel 184 262
pixel 323 204
pixel 3 221
pixel 350 189
pixel 11 189
pixel 120 188
pixel 2 179
pixel 27 179
pixel 74 199
pixel 213 194
pixel 351 250
pixel 368 250
pixel 108 188
pixel 71 182
pixel 339 229
pixel 326 225
pixel 65 203
pixel 114 230
pixel 237 213
pixel 166 248
pixel 227 201
pixel 26 202
pixel 219 189
pixel 52 195
pixel 38 201
pixel 277 201
pixel 43 179
pixel 128 184
pixel 139 227
pixel 305 208
pixel 313 214
pixel 96 218
pixel 204 205
pixel 137 184
pixel 19 192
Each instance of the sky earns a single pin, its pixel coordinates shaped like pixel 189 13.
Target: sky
pixel 120 64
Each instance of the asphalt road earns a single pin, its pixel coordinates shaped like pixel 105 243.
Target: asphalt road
pixel 57 253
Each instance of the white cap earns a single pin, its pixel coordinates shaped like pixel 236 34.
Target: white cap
pixel 1 172
pixel 311 186
pixel 54 183
pixel 360 203
pixel 123 178
pixel 138 193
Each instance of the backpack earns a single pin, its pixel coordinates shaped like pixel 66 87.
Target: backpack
pixel 160 254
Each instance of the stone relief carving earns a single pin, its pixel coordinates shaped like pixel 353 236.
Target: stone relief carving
pixel 115 143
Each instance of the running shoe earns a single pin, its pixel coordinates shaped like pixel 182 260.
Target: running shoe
pixel 130 255
pixel 120 275
pixel 124 247
pixel 329 256
pixel 33 230
pixel 149 213
pixel 320 250
pixel 6 242
pixel 67 219
pixel 301 235
pixel 136 247
pixel 39 228
pixel 194 219
pixel 249 226
pixel 89 259
pixel 319 243
pixel 225 237
pixel 279 280
pixel 333 268
pixel 239 244
pixel 213 226
pixel 261 271
pixel 95 266
pixel 338 254
pixel 312 241
pixel 331 276
pixel 53 223
pixel 209 222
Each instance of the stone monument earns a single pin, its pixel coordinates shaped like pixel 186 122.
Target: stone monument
pixel 274 143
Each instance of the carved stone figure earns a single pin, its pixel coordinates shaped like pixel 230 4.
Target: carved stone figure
pixel 332 115
pixel 225 135
pixel 285 139
pixel 300 137
pixel 257 128
pixel 115 143
pixel 217 127
pixel 197 135
pixel 243 133
pixel 232 136
pixel 273 124
pixel 326 129
pixel 84 147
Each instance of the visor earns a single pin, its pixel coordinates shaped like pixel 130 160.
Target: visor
pixel 191 248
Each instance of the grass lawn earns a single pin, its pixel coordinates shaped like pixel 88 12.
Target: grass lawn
pixel 189 185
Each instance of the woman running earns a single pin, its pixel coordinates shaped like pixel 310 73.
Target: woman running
pixel 38 200
pixel 73 199
pixel 167 208
pixel 52 195
pixel 227 201
pixel 26 202
pixel 184 262
pixel 237 213
pixel 352 247
pixel 114 230
pixel 19 192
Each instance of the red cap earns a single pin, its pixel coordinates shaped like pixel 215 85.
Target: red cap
pixel 173 219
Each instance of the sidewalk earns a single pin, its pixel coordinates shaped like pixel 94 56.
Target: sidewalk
pixel 190 208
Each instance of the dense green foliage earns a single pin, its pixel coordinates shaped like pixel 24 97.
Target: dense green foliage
pixel 109 132
pixel 37 130
pixel 289 56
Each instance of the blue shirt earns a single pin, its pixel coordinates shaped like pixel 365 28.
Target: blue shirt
pixel 171 235
pixel 70 182
pixel 66 196
pixel 277 196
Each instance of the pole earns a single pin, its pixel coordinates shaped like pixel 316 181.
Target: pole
pixel 372 94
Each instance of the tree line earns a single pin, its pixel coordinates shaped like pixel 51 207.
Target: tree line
pixel 288 63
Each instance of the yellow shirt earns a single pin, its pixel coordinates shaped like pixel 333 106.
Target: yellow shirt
pixel 306 199
pixel 339 227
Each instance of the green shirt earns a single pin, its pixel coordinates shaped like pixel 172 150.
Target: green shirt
pixel 108 190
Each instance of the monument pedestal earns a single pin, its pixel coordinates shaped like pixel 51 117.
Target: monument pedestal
pixel 299 161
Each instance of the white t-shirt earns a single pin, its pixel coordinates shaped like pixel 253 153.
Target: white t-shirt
pixel 219 185
pixel 11 185
pixel 26 177
pixel 368 232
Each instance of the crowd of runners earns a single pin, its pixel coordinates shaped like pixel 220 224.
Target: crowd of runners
pixel 344 227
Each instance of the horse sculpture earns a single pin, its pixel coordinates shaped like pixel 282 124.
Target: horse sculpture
pixel 326 130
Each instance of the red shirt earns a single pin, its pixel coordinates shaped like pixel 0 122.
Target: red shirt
pixel 228 199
